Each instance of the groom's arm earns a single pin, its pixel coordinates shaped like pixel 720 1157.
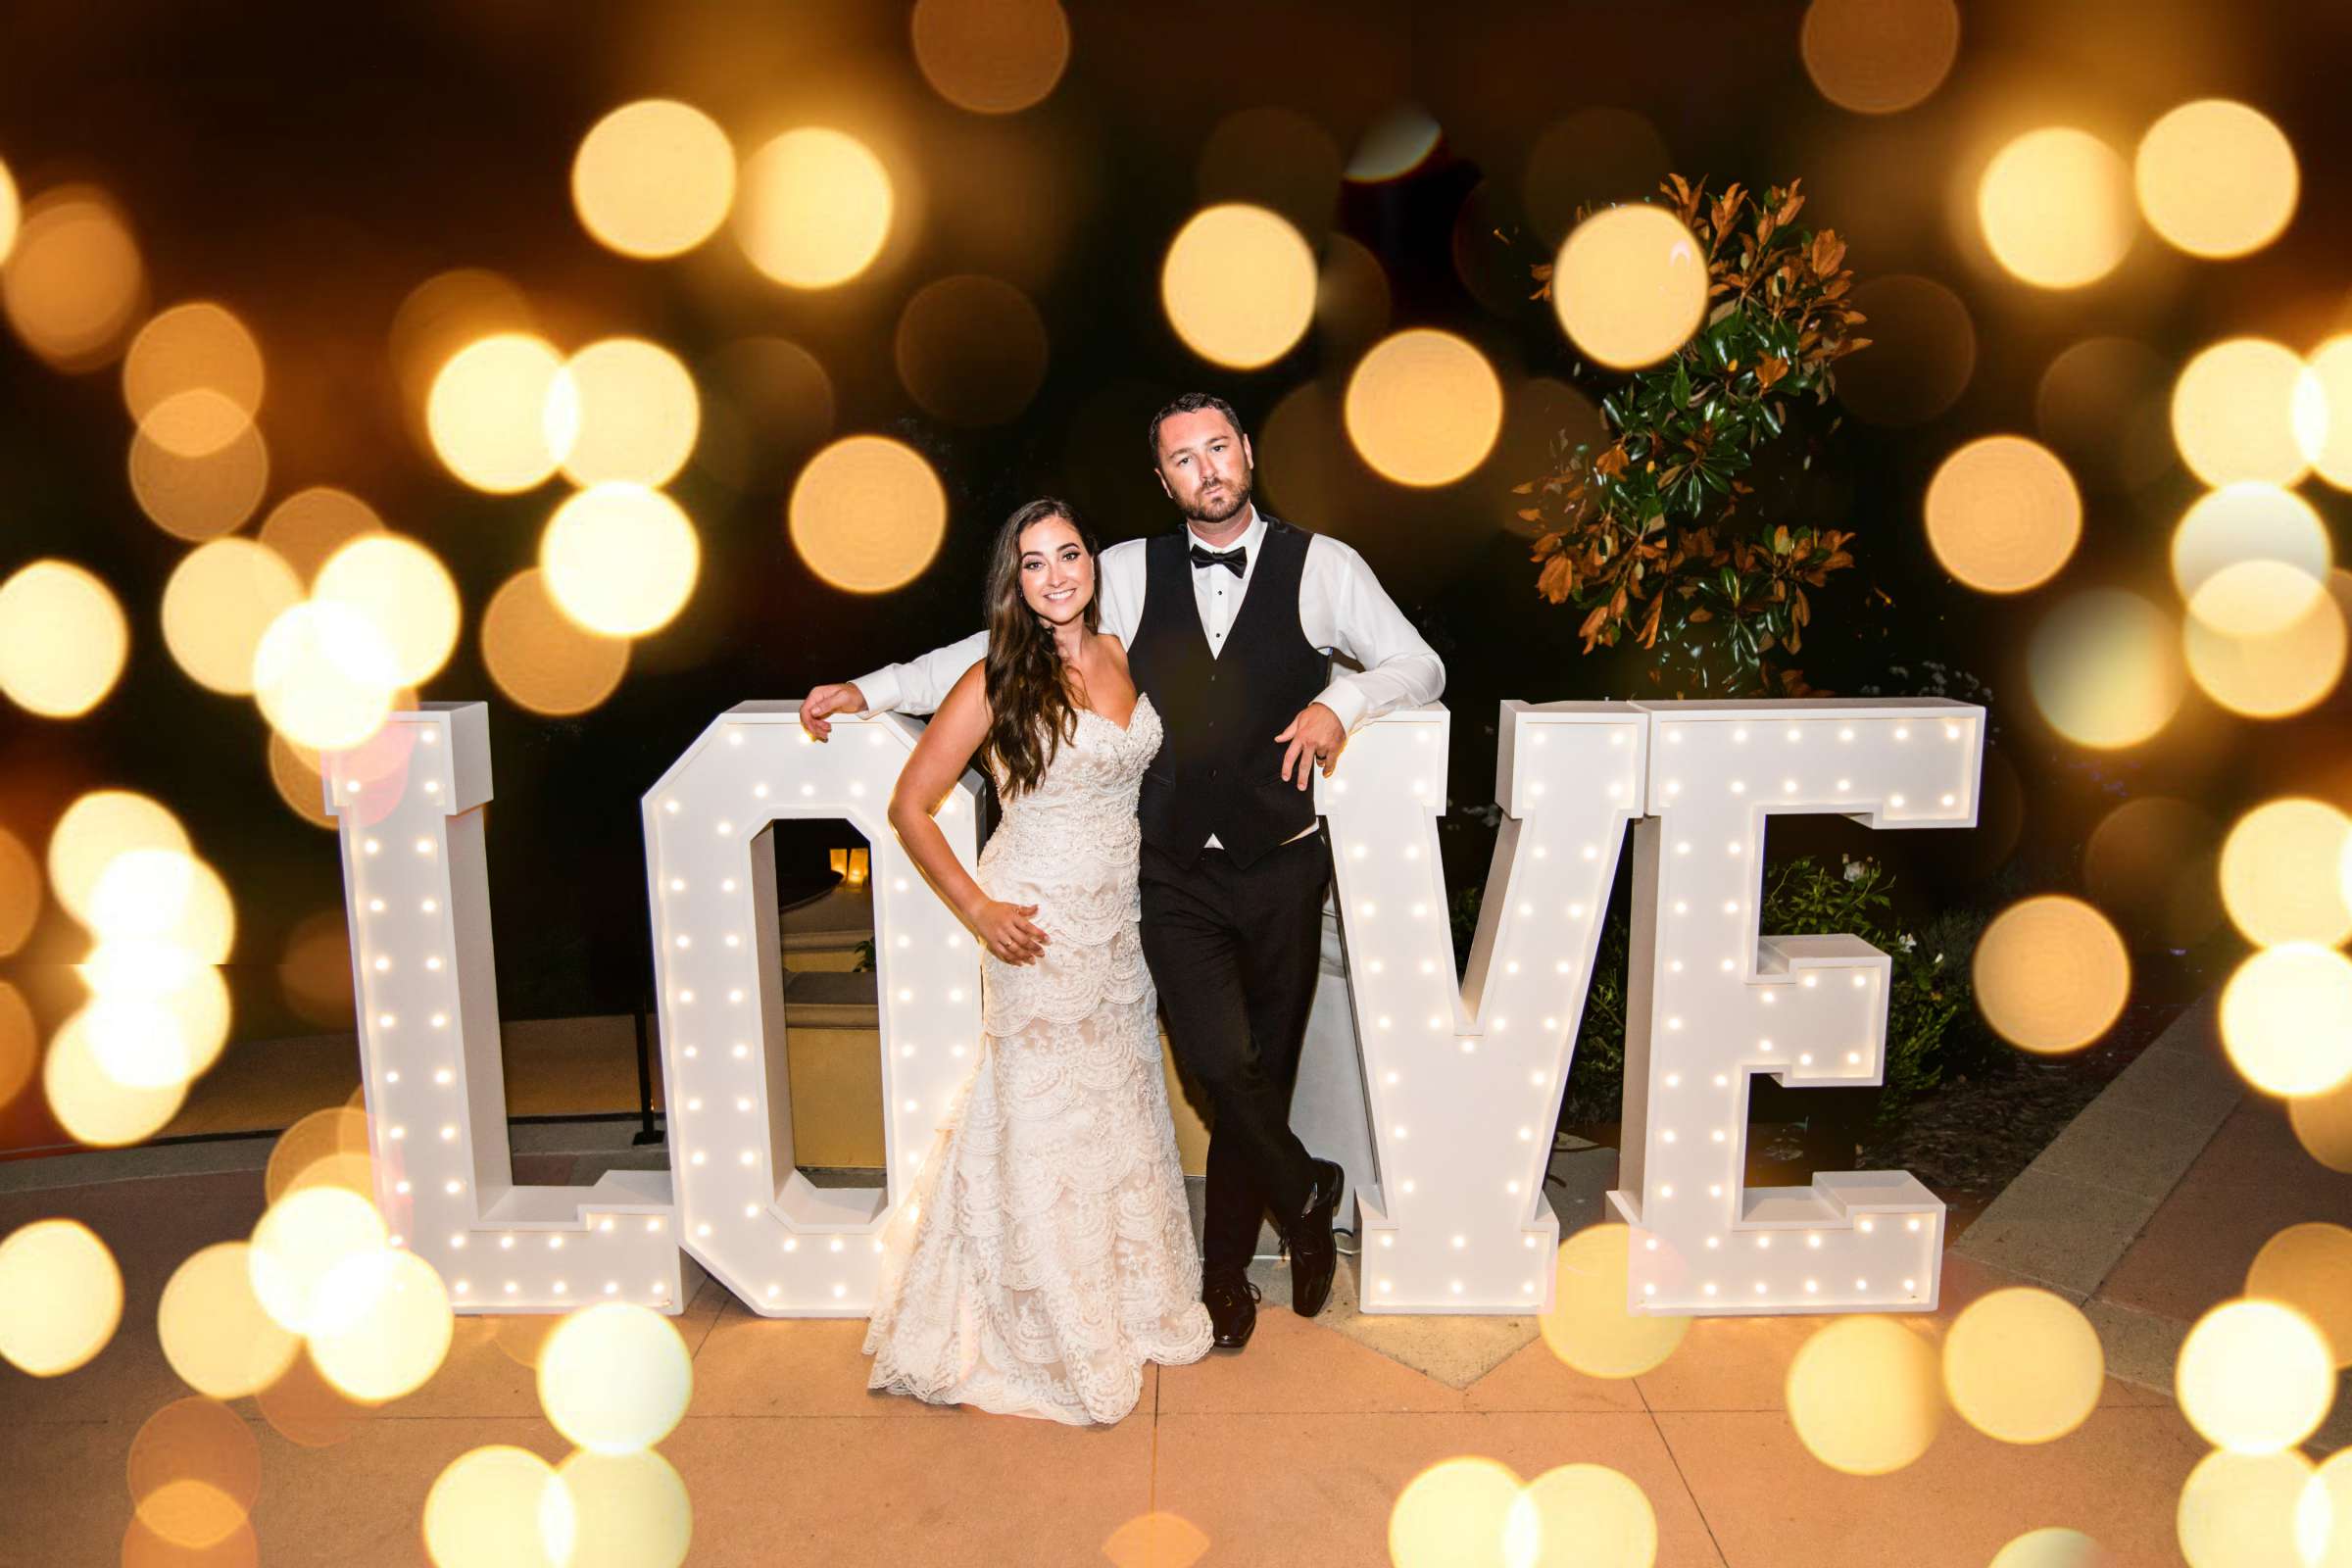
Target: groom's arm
pixel 1343 605
pixel 918 686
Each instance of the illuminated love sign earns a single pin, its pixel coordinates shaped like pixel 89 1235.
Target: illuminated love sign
pixel 1463 1080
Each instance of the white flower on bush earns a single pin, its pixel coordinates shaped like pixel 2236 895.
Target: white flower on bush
pixel 1855 870
pixel 1908 941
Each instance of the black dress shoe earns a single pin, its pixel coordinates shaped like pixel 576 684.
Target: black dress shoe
pixel 1313 1255
pixel 1232 1303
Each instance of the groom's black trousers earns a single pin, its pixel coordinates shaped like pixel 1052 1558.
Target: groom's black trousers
pixel 1234 953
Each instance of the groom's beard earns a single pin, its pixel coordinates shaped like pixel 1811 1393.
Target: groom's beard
pixel 1222 506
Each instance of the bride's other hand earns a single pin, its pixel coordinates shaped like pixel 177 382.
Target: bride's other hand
pixel 1006 931
pixel 819 706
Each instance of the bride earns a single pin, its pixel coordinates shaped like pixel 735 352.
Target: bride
pixel 1047 1251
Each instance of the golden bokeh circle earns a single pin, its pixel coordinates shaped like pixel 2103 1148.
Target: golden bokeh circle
pixel 168 897
pixel 2053 1547
pixel 336 1131
pixel 1272 156
pixel 1398 141
pixel 2216 178
pixel 2052 974
pixel 298 1244
pixel 313 975
pixel 2236 414
pixel 2286 1019
pixel 63 639
pixel 992 57
pixel 198 466
pixel 1589 1326
pixel 2251 525
pixel 385 1324
pixel 2055 206
pixel 20 1043
pixel 200 345
pixel 499 1506
pixel 540 657
pixel 2280 872
pixel 2238 1510
pixel 1238 285
pixel 294 774
pixel 1922 351
pixel 20 897
pixel 1588 158
pixel 619 559
pixel 2105 669
pixel 2309 1268
pixel 324 675
pixel 1423 407
pixel 623 409
pixel 2329 384
pixel 213 1332
pixel 2023 1365
pixel 75 281
pixel 632 1510
pixel 1581 1516
pixel 867 515
pixel 2324 1514
pixel 218 601
pixel 400 586
pixel 309 526
pixel 1630 287
pixel 2003 514
pixel 97 827
pixel 61 1297
pixel 2156 859
pixel 194 1469
pixel 2104 403
pixel 157 1018
pixel 614 1377
pixel 814 208
pixel 487 411
pixel 2272 674
pixel 1879 57
pixel 1863 1396
pixel 12 211
pixel 2254 1377
pixel 653 179
pixel 93 1105
pixel 1457 1513
pixel 971 350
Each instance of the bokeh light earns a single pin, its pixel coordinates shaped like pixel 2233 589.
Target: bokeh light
pixel 333 1134
pixel 614 1377
pixel 402 588
pixel 2254 1377
pixel 2330 383
pixel 540 657
pixel 213 1332
pixel 1877 57
pixel 1581 1516
pixel 2216 178
pixel 195 347
pixel 625 410
pixel 1458 1513
pixel 19 896
pixel 487 411
pixel 309 526
pixel 157 1017
pixel 993 57
pixel 971 350
pixel 867 515
pixel 1156 1540
pixel 195 1469
pixel 2104 403
pixel 653 179
pixel 1238 285
pixel 294 774
pixel 198 466
pixel 1353 304
pixel 437 319
pixel 2286 1019
pixel 2280 872
pixel 324 675
pixel 313 974
pixel 2309 1268
pixel 1274 158
pixel 1863 1396
pixel 167 896
pixel 499 1507
pixel 1398 141
pixel 2258 525
pixel 1923 352
pixel 2238 1510
pixel 218 603
pixel 2268 675
pixel 1423 407
pixel 299 1244
pixel 2155 860
pixel 63 639
pixel 1589 158
pixel 2055 205
pixel 2003 514
pixel 1630 287
pixel 814 208
pixel 2324 1514
pixel 631 1510
pixel 20 1043
pixel 1589 1326
pixel 2105 669
pixel 385 1323
pixel 619 559
pixel 2023 1365
pixel 2236 412
pixel 12 211
pixel 2054 1546
pixel 75 282
pixel 61 1297
pixel 92 1105
pixel 96 828
pixel 2052 974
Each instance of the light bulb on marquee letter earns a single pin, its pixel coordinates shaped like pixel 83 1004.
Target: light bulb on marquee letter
pixel 1465 1080
pixel 408 815
pixel 1712 1002
pixel 784 1245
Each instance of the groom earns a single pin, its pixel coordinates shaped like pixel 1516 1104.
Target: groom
pixel 1229 624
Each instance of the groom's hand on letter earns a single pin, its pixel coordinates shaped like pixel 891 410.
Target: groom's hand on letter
pixel 1316 734
pixel 1005 930
pixel 819 706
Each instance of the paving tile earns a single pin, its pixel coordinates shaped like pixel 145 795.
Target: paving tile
pixel 1454 1348
pixel 63 1490
pixel 1294 1366
pixel 1535 1378
pixel 362 1501
pixel 751 1365
pixel 2062 1233
pixel 2141 1347
pixel 2188 1087
pixel 2130 1150
pixel 1338 1475
pixel 1771 1504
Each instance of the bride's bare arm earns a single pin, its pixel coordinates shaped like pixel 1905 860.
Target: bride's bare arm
pixel 940 758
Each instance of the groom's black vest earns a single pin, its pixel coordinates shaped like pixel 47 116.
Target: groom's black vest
pixel 1218 769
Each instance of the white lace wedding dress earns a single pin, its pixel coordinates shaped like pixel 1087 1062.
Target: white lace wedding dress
pixel 1047 1253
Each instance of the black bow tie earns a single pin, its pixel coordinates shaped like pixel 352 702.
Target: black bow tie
pixel 1231 560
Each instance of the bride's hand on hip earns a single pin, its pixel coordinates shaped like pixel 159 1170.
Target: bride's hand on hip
pixel 819 706
pixel 1004 929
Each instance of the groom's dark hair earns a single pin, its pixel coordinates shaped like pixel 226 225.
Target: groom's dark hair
pixel 1190 403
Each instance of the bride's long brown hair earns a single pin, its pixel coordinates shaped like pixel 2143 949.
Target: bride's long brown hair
pixel 1030 709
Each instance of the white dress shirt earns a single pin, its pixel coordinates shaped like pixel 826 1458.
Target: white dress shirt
pixel 1341 608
